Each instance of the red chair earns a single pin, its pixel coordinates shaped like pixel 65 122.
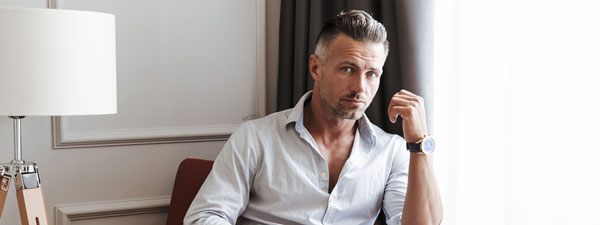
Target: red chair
pixel 190 176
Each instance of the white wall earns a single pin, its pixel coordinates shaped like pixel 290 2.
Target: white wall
pixel 118 180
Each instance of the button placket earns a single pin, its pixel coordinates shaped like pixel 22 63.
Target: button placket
pixel 328 218
pixel 324 181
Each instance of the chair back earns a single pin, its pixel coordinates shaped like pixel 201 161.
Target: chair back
pixel 190 176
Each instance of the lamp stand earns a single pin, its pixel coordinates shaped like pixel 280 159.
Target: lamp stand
pixel 27 183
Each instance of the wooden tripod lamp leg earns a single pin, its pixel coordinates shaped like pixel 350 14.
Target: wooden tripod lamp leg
pixel 30 199
pixel 4 183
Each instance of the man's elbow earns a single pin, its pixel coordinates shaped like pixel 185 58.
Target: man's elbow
pixel 190 219
pixel 205 218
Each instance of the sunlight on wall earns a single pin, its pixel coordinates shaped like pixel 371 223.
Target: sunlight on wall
pixel 516 115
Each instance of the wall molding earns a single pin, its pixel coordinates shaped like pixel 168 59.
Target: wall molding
pixel 122 137
pixel 65 214
pixel 62 138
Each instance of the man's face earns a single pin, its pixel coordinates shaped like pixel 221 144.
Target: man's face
pixel 349 77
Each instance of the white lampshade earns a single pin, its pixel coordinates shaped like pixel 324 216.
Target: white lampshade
pixel 57 62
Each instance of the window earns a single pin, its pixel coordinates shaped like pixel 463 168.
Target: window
pixel 517 110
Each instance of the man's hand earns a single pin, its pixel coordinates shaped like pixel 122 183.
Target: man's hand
pixel 412 110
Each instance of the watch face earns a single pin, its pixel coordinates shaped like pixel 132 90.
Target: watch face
pixel 428 145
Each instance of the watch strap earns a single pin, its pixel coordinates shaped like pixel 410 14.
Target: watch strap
pixel 413 147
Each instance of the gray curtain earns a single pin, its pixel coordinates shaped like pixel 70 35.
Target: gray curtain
pixel 409 65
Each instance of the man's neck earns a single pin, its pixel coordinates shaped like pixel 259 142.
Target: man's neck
pixel 321 122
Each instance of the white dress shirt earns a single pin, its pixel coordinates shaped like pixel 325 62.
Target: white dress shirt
pixel 271 171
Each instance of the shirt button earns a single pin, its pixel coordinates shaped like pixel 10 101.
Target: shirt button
pixel 323 175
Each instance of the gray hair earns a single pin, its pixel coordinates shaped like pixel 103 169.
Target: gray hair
pixel 356 24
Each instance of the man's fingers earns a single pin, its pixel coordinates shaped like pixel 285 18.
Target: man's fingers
pixel 396 101
pixel 395 111
pixel 412 110
pixel 406 104
pixel 401 101
pixel 409 96
pixel 407 93
pixel 404 101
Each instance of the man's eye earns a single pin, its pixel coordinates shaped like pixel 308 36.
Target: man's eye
pixel 373 75
pixel 346 69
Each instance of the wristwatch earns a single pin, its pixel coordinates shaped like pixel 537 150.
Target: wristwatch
pixel 424 146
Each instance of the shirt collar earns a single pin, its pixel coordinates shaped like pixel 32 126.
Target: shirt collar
pixel 365 128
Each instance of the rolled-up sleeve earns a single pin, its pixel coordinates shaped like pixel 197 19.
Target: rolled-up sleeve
pixel 224 195
pixel 395 189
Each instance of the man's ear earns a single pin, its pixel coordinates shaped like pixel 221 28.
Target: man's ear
pixel 314 66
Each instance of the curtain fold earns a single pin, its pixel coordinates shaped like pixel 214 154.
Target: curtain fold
pixel 409 65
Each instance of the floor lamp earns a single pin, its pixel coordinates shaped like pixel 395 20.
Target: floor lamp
pixel 52 63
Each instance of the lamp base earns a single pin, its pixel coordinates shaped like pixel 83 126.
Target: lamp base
pixel 29 191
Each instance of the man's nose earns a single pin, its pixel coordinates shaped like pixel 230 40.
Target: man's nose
pixel 359 83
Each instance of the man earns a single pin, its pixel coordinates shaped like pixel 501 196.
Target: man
pixel 323 162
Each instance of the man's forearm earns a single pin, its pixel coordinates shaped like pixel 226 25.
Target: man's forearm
pixel 423 204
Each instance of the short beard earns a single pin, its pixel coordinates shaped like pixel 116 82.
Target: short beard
pixel 338 110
